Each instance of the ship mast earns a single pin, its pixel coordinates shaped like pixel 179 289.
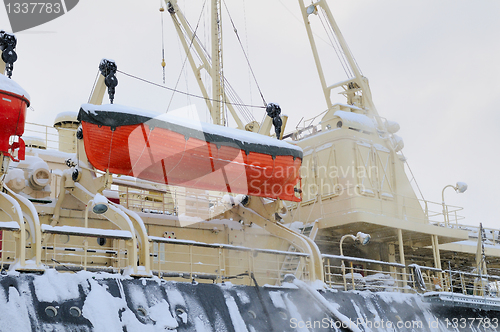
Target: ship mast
pixel 356 88
pixel 211 63
pixel 217 111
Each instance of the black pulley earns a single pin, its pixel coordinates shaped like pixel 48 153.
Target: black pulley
pixel 8 43
pixel 108 69
pixel 274 111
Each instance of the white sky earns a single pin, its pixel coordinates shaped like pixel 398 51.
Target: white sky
pixel 433 67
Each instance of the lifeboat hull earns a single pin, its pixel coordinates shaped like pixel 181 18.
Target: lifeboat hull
pixel 209 158
pixel 12 116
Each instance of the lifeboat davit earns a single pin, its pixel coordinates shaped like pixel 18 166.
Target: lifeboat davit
pixel 13 103
pixel 180 152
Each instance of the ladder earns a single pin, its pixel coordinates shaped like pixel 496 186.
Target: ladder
pixel 292 263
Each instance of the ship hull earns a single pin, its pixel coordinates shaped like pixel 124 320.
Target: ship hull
pixel 96 302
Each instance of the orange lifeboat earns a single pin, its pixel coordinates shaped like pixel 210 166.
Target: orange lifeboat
pixel 13 103
pixel 175 151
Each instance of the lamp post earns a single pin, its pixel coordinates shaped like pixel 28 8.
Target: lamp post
pixel 460 188
pixel 360 237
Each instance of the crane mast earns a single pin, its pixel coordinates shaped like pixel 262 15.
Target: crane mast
pixel 217 84
pixel 356 88
pixel 213 64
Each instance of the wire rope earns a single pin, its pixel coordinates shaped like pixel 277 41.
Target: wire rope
pixel 178 91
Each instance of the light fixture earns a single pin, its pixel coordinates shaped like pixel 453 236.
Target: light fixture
pixel 360 237
pixel 459 188
pixel 99 204
pixel 363 238
pixel 311 10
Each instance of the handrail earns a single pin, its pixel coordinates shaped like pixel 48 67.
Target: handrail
pixel 363 260
pixel 225 246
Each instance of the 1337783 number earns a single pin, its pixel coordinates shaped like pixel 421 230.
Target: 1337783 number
pixel 33 7
pixel 462 323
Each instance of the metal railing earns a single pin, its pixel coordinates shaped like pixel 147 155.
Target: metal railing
pixel 344 272
pixel 47 134
pixel 430 212
pixel 219 262
pixel 170 200
pixel 80 252
pixel 352 273
pixel 438 213
pixel 8 248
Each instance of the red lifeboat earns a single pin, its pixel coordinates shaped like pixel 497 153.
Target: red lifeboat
pixel 13 103
pixel 186 153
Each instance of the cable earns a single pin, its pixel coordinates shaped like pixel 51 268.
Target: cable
pixel 181 92
pixel 190 45
pixel 162 41
pixel 244 53
pixel 338 49
pixel 93 87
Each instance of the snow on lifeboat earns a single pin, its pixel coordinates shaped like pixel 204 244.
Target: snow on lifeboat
pixel 175 151
pixel 13 103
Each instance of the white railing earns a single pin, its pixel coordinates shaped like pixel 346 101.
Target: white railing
pixel 74 252
pixel 47 134
pixel 8 251
pixel 411 208
pixel 219 262
pixel 365 274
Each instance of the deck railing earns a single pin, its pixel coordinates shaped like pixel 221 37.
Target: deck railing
pixel 8 247
pixel 417 210
pixel 220 262
pixel 394 277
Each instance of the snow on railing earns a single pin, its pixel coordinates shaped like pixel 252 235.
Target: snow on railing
pixel 168 200
pixel 76 248
pixel 363 274
pixel 8 251
pixel 373 275
pixel 219 262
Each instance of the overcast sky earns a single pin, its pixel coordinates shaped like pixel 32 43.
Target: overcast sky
pixel 433 67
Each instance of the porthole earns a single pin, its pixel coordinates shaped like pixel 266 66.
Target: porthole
pixel 252 314
pixel 63 238
pixel 101 241
pixel 179 311
pixel 283 315
pixel 143 312
pixel 75 312
pixel 181 315
pixel 339 124
pixel 51 311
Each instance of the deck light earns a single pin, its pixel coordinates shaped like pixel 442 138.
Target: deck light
pixel 360 237
pixel 311 10
pixel 363 238
pixel 460 188
pixel 99 204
